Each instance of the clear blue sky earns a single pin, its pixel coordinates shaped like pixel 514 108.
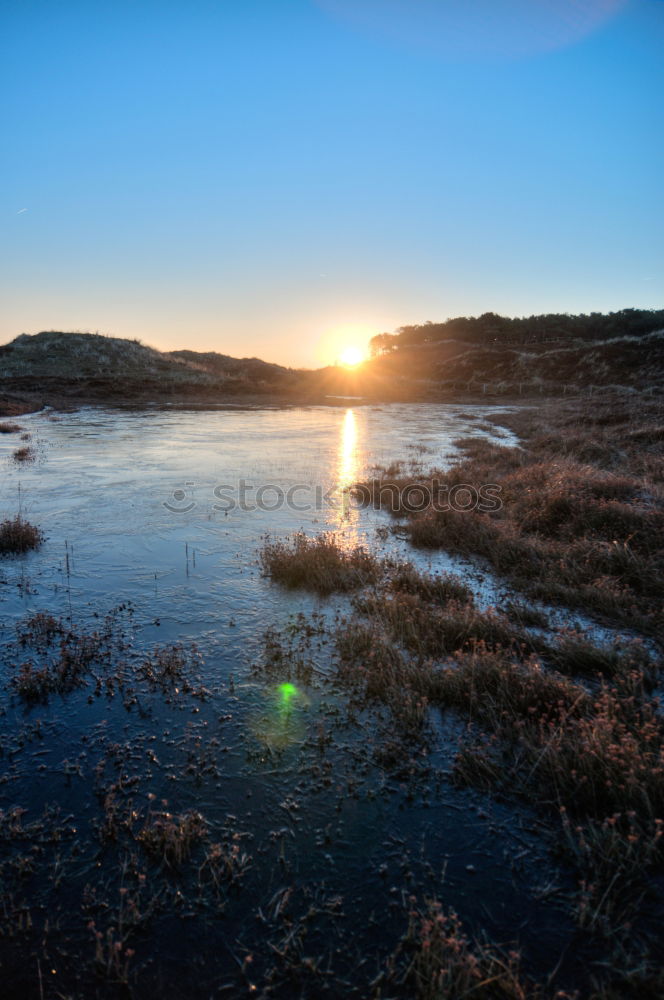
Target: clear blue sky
pixel 283 177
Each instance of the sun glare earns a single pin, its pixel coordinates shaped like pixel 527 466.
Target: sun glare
pixel 351 356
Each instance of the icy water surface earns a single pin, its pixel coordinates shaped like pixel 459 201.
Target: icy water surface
pixel 333 839
pixel 140 502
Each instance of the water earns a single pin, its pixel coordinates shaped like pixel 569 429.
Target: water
pixel 135 508
pixel 133 496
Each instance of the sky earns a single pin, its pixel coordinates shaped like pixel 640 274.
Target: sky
pixel 286 178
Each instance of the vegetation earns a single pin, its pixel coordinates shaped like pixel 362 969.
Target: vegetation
pixel 321 564
pixel 170 838
pixel 437 961
pixel 17 536
pixel 581 521
pixel 491 328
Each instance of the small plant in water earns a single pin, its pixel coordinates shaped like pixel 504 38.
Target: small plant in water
pixel 322 563
pixel 170 837
pixel 18 535
pixel 166 666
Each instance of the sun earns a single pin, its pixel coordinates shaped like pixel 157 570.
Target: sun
pixel 351 356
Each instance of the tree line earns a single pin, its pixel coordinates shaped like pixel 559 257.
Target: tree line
pixel 490 327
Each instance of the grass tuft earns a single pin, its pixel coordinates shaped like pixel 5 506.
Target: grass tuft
pixel 18 536
pixel 320 564
pixel 171 838
pixel 438 961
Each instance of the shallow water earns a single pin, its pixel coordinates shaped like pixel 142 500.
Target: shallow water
pixel 128 506
pixel 130 498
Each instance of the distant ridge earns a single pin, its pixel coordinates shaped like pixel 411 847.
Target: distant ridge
pixel 83 355
pixel 483 361
pixel 632 363
pixel 71 369
pixel 56 354
pixel 223 364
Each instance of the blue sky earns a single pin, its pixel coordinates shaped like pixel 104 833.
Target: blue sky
pixel 284 177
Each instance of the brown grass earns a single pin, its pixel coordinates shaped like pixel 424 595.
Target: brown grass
pixel 167 666
pixel 18 536
pixel 428 630
pixel 436 960
pixel 62 672
pixel 438 588
pixel 582 517
pixel 320 564
pixel 612 856
pixel 171 838
pixel 595 751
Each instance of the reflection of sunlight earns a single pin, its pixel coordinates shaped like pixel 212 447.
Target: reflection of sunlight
pixel 347 469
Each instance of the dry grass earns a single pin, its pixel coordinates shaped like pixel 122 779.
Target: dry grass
pixel 582 517
pixel 596 751
pixel 9 428
pixel 430 618
pixel 66 656
pixel 429 630
pixel 224 863
pixel 574 653
pixel 170 838
pixel 438 588
pixel 24 454
pixel 611 856
pixel 320 564
pixel 18 535
pixel 63 671
pixel 168 666
pixel 436 960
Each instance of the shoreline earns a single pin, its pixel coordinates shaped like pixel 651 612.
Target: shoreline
pixel 15 402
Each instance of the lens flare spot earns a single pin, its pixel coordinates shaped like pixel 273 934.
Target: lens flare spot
pixel 287 692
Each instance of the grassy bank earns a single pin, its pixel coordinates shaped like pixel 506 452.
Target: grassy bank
pixel 552 716
pixel 581 517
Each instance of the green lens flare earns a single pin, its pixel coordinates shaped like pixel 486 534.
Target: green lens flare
pixel 286 694
pixel 281 723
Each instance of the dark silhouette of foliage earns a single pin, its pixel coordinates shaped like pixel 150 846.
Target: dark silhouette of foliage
pixel 489 328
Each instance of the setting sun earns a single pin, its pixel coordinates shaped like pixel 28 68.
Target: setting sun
pixel 351 356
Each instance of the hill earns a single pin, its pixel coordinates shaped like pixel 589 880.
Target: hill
pixel 60 368
pixel 488 356
pixel 628 362
pixel 224 366
pixel 52 354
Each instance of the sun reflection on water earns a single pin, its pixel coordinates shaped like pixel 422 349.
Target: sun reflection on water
pixel 347 465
